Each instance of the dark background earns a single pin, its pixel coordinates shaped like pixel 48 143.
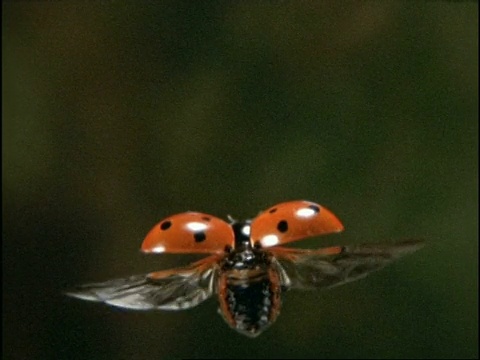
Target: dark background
pixel 118 114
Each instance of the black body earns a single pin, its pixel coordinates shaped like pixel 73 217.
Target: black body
pixel 248 286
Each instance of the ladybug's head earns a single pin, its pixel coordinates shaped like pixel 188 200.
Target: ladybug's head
pixel 241 231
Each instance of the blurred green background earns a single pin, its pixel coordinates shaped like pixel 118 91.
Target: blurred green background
pixel 118 114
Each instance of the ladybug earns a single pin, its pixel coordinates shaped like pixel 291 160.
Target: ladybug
pixel 247 269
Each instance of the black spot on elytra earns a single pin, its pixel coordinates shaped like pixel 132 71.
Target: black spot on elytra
pixel 206 218
pixel 165 225
pixel 282 226
pixel 314 208
pixel 199 236
pixel 271 211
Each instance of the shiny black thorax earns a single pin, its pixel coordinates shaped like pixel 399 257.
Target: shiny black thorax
pixel 244 256
pixel 248 286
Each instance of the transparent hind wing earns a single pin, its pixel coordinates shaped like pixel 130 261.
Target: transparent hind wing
pixel 337 265
pixel 175 289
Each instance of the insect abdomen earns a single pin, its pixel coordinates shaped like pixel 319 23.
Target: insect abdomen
pixel 250 305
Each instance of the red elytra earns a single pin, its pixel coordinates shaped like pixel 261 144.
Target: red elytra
pixel 189 232
pixel 194 232
pixel 292 221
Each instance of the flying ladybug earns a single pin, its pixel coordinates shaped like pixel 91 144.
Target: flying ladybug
pixel 247 269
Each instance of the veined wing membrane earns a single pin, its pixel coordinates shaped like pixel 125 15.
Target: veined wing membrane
pixel 337 265
pixel 175 289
